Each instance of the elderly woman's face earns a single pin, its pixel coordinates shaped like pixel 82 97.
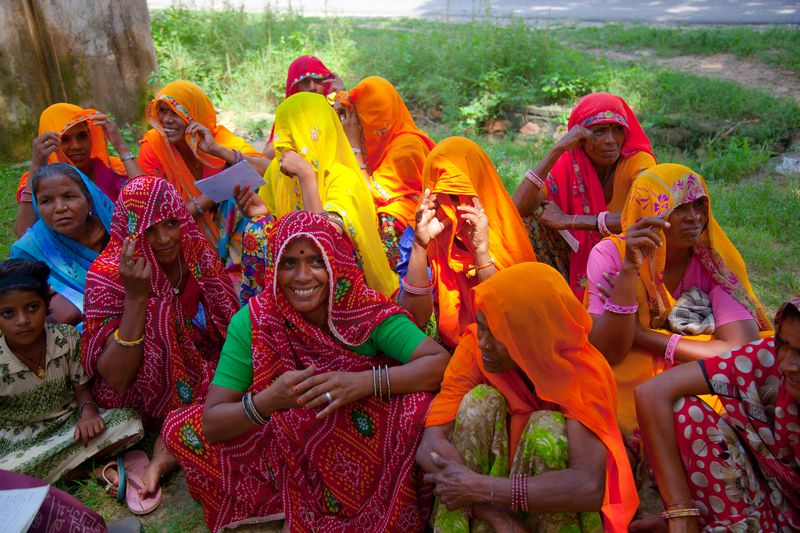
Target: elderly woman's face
pixel 788 351
pixel 494 355
pixel 605 145
pixel 303 279
pixel 312 85
pixel 687 223
pixel 63 205
pixel 174 126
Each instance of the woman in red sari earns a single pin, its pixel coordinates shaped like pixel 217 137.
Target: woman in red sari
pixel 582 183
pixel 158 302
pixel 739 471
pixel 318 402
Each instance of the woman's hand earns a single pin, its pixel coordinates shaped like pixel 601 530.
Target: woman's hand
pixel 351 125
pixel 477 227
pixel 283 392
pixel 336 82
pixel 135 273
pixel 90 425
pixel 605 290
pixel 574 137
pixel 293 164
pixel 642 239
pixel 453 482
pixel 553 217
pixel 249 203
pixel 45 144
pixel 428 227
pixel 112 133
pixel 342 388
pixel 205 138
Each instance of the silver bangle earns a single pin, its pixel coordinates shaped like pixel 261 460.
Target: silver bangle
pixel 84 404
pixel 126 157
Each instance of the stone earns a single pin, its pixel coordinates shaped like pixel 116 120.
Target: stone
pixel 529 129
pixel 496 128
pixel 95 54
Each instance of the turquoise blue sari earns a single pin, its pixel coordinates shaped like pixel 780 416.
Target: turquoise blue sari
pixel 69 261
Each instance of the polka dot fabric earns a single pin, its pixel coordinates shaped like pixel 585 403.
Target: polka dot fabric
pixel 742 467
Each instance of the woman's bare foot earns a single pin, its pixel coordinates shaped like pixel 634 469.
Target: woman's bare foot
pixel 162 463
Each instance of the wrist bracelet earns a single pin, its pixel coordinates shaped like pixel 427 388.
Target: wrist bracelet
pixel 531 176
pixel 388 384
pixel 356 150
pixel 474 270
pixel 680 513
pixel 237 157
pixel 669 353
pixel 84 404
pixel 620 309
pixel 127 344
pixel 251 412
pixel 363 166
pixel 602 227
pixel 126 157
pixel 418 291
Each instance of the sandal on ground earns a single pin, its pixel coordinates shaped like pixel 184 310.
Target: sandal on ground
pixel 119 464
pixel 136 462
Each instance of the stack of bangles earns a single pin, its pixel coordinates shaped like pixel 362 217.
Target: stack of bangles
pixel 377 382
pixel 669 353
pixel 251 412
pixel 610 306
pixel 534 178
pixel 519 492
pixel 417 291
pixel 602 227
pixel 127 344
pixel 680 513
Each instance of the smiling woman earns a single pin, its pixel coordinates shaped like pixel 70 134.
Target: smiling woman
pixel 73 227
pixel 320 375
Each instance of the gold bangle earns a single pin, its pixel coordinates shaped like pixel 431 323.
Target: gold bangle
pixel 127 344
pixel 680 513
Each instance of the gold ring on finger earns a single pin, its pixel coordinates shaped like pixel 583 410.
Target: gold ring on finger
pixel 130 262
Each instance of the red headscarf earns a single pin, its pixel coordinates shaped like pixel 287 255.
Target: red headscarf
pixel 574 184
pixel 305 67
pixel 315 461
pixel 176 358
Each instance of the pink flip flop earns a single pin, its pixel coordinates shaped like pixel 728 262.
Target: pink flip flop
pixel 136 462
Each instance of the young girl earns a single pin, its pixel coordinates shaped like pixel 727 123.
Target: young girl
pixel 49 422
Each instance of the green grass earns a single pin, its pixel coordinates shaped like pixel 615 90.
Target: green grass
pixel 777 46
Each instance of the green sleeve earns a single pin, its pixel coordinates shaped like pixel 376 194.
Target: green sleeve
pixel 235 367
pixel 396 337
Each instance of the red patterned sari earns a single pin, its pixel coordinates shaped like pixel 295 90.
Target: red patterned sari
pixel 351 471
pixel 183 334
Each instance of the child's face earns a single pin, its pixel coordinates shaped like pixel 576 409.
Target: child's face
pixel 22 316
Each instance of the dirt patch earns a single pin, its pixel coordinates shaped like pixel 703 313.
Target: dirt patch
pixel 773 81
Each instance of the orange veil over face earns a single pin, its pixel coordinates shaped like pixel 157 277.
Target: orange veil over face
pixel 395 148
pixel 532 311
pixel 458 166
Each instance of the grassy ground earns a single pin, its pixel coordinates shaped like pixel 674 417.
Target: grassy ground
pixel 475 71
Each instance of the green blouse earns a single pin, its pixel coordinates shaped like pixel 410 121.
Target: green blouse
pixel 397 337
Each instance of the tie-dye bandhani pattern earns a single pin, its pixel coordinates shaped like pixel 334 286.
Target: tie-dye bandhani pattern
pixel 178 357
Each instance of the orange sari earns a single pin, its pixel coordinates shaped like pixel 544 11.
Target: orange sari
pixel 458 166
pixel 158 157
pixel 557 358
pixel 395 148
pixel 59 118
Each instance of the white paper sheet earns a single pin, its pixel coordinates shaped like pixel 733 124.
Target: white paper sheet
pixel 18 507
pixel 571 241
pixel 219 187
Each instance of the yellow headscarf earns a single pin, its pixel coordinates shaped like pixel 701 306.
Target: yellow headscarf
pixel 307 124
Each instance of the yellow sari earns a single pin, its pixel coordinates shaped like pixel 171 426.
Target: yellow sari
pixel 307 124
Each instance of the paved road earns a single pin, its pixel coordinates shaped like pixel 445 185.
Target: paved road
pixel 684 12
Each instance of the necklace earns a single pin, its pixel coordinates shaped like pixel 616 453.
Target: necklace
pixel 177 288
pixel 684 267
pixel 40 371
